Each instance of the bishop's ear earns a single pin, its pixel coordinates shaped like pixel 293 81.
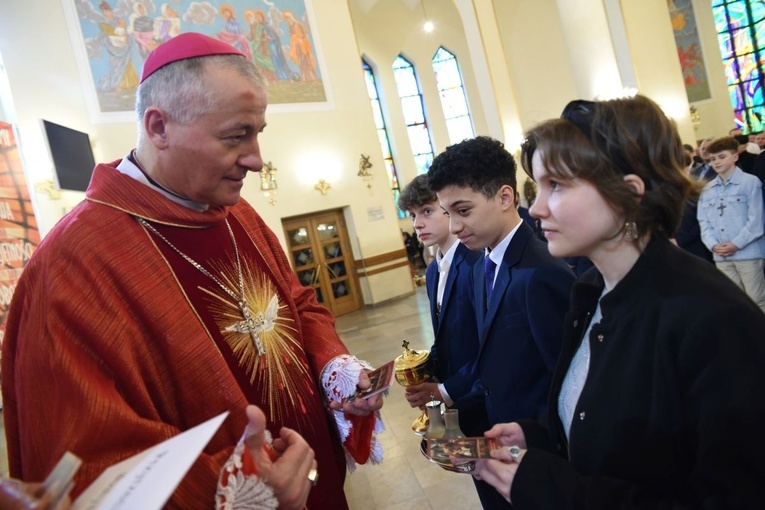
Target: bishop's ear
pixel 155 126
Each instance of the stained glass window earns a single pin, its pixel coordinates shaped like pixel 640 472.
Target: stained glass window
pixel 382 133
pixel 453 100
pixel 740 27
pixel 414 113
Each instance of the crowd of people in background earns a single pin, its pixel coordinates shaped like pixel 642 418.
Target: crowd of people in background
pixel 727 224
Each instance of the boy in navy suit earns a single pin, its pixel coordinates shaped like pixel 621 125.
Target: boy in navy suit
pixel 521 292
pixel 449 284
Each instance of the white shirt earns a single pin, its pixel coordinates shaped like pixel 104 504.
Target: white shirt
pixel 498 253
pixel 573 384
pixel 444 262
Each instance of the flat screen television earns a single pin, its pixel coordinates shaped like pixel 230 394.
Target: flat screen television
pixel 72 156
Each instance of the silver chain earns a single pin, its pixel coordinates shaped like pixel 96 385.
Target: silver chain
pixel 240 300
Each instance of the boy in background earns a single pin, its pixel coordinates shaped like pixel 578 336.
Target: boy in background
pixel 449 284
pixel 520 292
pixel 730 214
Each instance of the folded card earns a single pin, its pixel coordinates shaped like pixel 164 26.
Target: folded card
pixel 148 479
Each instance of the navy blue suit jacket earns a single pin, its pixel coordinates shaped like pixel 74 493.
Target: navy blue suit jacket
pixel 520 331
pixel 456 330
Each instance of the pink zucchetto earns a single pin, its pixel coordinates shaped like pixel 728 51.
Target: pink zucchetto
pixel 183 46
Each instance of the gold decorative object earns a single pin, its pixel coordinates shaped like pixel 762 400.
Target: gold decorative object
pixel 364 166
pixel 364 173
pixel 48 187
pixel 695 117
pixel 323 186
pixel 412 368
pixel 268 177
pixel 268 182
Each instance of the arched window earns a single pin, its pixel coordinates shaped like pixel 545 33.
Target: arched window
pixel 382 133
pixel 414 113
pixel 452 93
pixel 740 28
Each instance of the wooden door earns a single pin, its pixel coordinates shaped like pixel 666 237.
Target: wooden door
pixel 321 257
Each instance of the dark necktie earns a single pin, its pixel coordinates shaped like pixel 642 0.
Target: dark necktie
pixel 490 266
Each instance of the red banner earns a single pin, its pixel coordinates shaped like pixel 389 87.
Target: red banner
pixel 19 235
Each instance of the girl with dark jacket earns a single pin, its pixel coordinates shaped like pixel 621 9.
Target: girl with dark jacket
pixel 658 400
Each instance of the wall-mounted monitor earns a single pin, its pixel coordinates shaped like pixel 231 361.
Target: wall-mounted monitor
pixel 72 156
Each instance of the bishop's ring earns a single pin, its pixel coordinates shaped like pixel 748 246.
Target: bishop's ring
pixel 313 476
pixel 514 452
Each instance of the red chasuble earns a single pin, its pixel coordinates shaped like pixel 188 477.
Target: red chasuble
pixel 116 342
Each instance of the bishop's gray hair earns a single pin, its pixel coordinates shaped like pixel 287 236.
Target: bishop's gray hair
pixel 181 89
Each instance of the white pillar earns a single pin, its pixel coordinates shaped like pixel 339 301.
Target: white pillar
pixel 590 48
pixel 492 73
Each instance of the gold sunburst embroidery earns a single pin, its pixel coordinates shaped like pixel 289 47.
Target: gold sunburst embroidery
pixel 281 374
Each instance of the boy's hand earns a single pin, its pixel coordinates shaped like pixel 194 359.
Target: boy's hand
pixel 725 249
pixel 420 394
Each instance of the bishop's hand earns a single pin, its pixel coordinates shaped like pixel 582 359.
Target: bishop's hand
pixel 360 406
pixel 283 466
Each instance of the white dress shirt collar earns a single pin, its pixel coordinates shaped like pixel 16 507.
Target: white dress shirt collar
pixel 444 263
pixel 130 169
pixel 498 253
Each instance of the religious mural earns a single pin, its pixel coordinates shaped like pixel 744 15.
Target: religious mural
pixel 19 236
pixel 689 49
pixel 117 35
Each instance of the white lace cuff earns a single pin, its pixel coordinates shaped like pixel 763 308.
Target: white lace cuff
pixel 339 379
pixel 240 490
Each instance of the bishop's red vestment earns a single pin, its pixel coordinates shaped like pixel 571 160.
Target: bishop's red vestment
pixel 115 341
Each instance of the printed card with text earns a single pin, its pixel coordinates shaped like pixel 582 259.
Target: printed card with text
pixel 380 380
pixel 461 448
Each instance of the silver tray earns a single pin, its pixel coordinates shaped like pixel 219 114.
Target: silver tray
pixel 447 465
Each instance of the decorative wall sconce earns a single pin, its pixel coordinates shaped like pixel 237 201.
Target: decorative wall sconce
pixel 268 182
pixel 364 166
pixel 323 186
pixel 364 173
pixel 48 187
pixel 695 117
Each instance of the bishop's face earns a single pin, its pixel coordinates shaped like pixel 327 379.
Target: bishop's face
pixel 207 159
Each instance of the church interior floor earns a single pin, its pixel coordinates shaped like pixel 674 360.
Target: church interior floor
pixel 405 480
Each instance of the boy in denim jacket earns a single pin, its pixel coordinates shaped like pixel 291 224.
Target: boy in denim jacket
pixel 731 218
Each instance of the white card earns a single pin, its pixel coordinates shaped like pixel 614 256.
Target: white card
pixel 147 480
